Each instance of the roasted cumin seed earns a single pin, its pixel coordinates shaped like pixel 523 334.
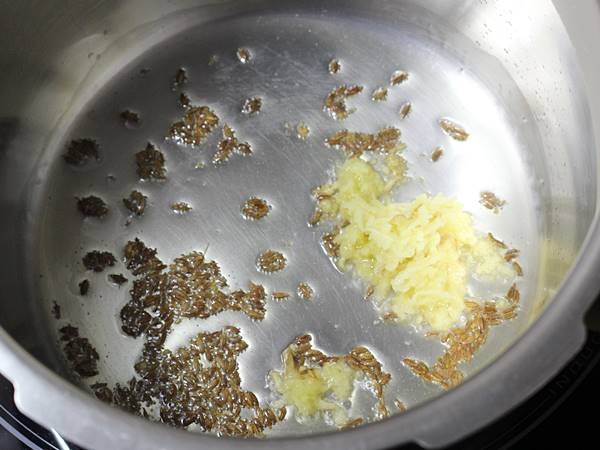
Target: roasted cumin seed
pixel 454 130
pixel 271 261
pixel 80 151
pixel 92 206
pixel 305 292
pixel 437 154
pixel 255 208
pixel 84 287
pixel 97 261
pixel 136 203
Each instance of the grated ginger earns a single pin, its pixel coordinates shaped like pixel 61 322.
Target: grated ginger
pixel 317 389
pixel 417 254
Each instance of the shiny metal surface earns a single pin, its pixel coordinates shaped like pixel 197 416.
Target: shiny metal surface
pixel 509 75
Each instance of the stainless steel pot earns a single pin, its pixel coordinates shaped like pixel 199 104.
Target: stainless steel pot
pixel 536 58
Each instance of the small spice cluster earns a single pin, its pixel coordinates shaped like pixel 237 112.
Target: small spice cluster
pixel 335 102
pixel 97 261
pixel 197 123
pixel 82 356
pixel 136 203
pixel 271 261
pixel 230 145
pixel 151 163
pixel 200 382
pixel 305 292
pixel 356 143
pixel 92 206
pixel 252 105
pixel 80 151
pixel 462 343
pixel 380 94
pixel 491 201
pixel 130 119
pixel 255 208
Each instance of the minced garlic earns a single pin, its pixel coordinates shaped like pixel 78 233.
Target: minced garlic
pixel 417 254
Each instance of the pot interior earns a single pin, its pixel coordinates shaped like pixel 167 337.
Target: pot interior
pixel 506 75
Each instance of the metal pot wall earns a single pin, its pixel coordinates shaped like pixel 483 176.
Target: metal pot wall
pixel 56 56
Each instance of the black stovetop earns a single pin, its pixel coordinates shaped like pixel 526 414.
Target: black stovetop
pixel 567 399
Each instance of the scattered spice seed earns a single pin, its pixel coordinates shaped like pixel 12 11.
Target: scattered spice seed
pixel 355 144
pixel 181 207
pixel 353 423
pixel 511 254
pixel 252 105
pixel 84 287
pixel 399 77
pixel 302 131
pixel 197 123
pixel 150 163
pixel 255 209
pixel 55 310
pixel 331 247
pixel 130 119
pixel 335 102
pixel 280 295
pixel 180 79
pixel 513 295
pixel 315 218
pixel 136 203
pixel 244 55
pixel 98 261
pixel 379 95
pixel 405 110
pixel 102 392
pixel 229 145
pixel 497 242
pixel 117 279
pixel 271 261
pixel 334 66
pixel 490 201
pixel 400 405
pixel 390 317
pixel 517 268
pixel 369 293
pixel 80 151
pixel 92 206
pixel 305 292
pixel 184 100
pixel 453 130
pixel 437 154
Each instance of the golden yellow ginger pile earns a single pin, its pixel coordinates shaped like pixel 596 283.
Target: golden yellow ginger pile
pixel 416 254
